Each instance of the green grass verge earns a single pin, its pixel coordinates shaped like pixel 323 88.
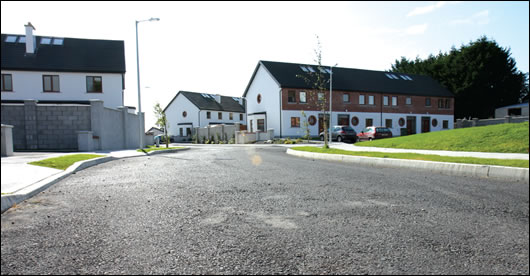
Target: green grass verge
pixel 153 148
pixel 424 157
pixel 496 138
pixel 63 162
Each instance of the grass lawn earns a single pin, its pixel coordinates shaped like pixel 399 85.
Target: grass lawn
pixel 511 138
pixel 425 157
pixel 63 162
pixel 153 148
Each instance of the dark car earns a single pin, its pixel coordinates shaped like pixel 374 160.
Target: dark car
pixel 341 133
pixel 162 138
pixel 372 132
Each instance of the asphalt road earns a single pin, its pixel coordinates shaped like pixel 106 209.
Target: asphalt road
pixel 242 210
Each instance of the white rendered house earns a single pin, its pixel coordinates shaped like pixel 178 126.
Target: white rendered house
pixel 188 110
pixel 277 93
pixel 61 70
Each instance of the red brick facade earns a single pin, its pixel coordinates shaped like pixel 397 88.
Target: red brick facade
pixel 417 106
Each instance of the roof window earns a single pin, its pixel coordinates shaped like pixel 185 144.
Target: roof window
pixel 304 68
pixel 21 39
pixel 328 70
pixel 388 76
pixel 11 38
pixel 311 69
pixel 58 41
pixel 45 40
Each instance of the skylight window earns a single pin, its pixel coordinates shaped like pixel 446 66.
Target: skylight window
pixel 409 78
pixel 388 76
pixel 45 40
pixel 58 41
pixel 311 69
pixel 235 99
pixel 11 39
pixel 304 68
pixel 403 77
pixel 21 39
pixel 322 70
pixel 327 70
pixel 204 95
pixel 394 76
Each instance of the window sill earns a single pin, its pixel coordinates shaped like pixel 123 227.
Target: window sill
pixel 51 92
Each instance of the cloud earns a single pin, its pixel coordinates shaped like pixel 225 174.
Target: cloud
pixel 430 8
pixel 480 18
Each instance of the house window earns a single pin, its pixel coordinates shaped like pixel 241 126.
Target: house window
pixel 50 83
pixel 7 82
pixel 181 132
pixel 346 97
pixel 261 124
pixel 230 116
pixel 343 119
pixel 408 100
pixel 312 120
pixel 385 100
pixel 354 121
pixel 291 96
pixel 369 122
pixel 241 117
pixel 401 122
pixel 361 99
pixel 371 100
pixel 220 115
pixel 94 85
pixel 188 131
pixel 388 123
pixel 208 115
pixel 295 121
pixel 394 101
pixel 445 124
pixel 447 103
pixel 434 122
pixel 427 101
pixel 303 98
pixel 321 97
pixel 259 98
pixel 184 114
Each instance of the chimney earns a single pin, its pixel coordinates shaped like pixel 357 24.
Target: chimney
pixel 31 41
pixel 217 98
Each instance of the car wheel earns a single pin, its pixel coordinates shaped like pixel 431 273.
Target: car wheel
pixel 339 139
pixel 321 137
pixel 370 139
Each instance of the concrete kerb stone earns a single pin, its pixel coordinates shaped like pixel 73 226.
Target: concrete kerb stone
pixel 457 169
pixel 9 200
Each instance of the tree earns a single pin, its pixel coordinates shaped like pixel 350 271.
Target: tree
pixel 318 82
pixel 161 121
pixel 305 127
pixel 482 76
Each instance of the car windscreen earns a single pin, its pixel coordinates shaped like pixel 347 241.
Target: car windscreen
pixel 347 129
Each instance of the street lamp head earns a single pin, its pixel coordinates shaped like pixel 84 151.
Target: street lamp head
pixel 154 19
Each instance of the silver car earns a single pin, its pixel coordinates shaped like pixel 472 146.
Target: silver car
pixel 341 133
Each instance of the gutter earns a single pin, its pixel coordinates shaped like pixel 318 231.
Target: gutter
pixel 280 112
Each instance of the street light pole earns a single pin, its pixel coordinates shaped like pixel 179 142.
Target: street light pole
pixel 330 98
pixel 138 77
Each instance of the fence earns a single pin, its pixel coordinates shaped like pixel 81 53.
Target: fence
pixel 463 123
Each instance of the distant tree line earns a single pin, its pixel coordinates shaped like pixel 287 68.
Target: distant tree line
pixel 482 76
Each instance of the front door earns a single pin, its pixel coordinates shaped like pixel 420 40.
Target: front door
pixel 425 124
pixel 411 125
pixel 321 122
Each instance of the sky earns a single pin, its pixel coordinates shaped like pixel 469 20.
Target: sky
pixel 214 47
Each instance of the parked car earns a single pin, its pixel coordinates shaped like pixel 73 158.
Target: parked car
pixel 370 133
pixel 162 138
pixel 341 133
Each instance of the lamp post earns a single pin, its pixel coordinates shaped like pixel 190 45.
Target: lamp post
pixel 330 98
pixel 138 76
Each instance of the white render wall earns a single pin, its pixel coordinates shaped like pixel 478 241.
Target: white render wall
pixel 265 85
pixel 289 131
pixel 195 116
pixel 174 115
pixel 72 87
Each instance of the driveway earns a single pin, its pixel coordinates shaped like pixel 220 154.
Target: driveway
pixel 253 210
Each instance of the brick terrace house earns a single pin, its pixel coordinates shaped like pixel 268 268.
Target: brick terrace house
pixel 275 96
